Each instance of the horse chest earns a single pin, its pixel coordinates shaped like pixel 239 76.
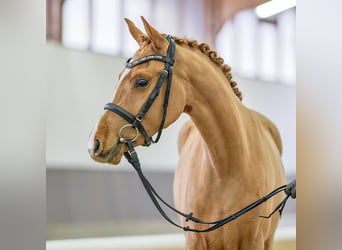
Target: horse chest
pixel 196 187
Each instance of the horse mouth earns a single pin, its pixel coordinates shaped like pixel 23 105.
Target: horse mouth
pixel 114 155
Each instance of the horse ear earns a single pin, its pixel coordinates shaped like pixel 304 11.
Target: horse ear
pixel 156 38
pixel 137 34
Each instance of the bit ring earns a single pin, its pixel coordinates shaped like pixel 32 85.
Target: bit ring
pixel 122 139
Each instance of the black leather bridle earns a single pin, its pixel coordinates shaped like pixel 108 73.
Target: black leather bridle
pixel 132 157
pixel 135 121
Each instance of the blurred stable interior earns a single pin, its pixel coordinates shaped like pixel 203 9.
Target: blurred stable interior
pixel 87 45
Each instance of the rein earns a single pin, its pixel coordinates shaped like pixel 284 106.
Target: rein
pixel 132 157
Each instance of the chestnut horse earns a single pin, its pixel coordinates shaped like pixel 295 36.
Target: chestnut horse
pixel 229 155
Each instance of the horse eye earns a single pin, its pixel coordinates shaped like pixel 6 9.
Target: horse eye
pixel 141 83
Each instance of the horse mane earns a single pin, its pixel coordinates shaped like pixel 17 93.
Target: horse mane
pixel 212 54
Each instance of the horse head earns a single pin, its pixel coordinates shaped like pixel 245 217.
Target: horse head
pixel 141 97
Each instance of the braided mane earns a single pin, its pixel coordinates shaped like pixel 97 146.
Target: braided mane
pixel 205 49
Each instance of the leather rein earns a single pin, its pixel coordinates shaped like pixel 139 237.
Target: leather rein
pixel 132 157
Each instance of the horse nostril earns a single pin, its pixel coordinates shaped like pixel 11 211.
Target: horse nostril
pixel 97 146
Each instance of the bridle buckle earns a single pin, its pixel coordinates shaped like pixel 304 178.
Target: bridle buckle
pixel 132 152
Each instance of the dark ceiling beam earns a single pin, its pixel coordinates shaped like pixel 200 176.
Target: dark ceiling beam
pixel 54 19
pixel 219 11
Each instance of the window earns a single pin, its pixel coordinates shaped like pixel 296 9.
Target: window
pixel 260 49
pixel 254 48
pixel 98 25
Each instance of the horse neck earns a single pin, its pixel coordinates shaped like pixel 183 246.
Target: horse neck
pixel 218 114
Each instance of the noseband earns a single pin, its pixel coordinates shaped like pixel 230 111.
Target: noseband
pixel 135 121
pixel 132 157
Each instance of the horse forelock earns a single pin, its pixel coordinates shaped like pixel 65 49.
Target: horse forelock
pixel 212 54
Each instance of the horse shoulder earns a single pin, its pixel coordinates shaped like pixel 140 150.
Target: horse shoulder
pixel 272 129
